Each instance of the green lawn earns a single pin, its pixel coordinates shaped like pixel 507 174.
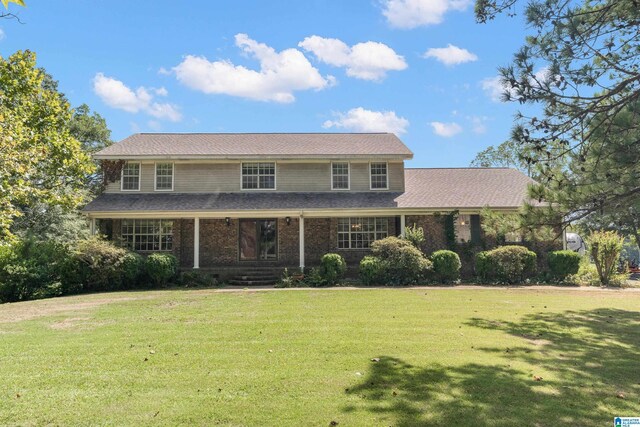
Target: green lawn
pixel 451 357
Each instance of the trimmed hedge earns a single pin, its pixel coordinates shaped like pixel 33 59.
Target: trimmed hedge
pixel 563 263
pixel 370 270
pixel 506 264
pixel 332 268
pixel 446 266
pixel 161 268
pixel 400 263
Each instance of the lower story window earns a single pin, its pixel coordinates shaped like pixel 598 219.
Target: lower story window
pixel 147 234
pixel 359 233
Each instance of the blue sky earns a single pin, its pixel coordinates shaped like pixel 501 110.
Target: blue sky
pixel 281 66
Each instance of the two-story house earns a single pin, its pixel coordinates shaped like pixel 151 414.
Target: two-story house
pixel 230 201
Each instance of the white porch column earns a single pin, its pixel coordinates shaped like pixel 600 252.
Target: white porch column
pixel 301 240
pixel 196 243
pixel 402 225
pixel 92 226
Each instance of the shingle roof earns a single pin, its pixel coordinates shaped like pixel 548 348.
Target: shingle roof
pixel 113 202
pixel 435 189
pixel 257 145
pixel 464 188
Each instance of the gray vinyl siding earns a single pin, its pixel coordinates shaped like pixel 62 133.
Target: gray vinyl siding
pixel 293 177
pixel 207 178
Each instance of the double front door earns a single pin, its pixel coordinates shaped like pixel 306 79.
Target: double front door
pixel 258 240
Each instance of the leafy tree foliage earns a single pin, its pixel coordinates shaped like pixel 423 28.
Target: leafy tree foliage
pixel 581 64
pixel 40 161
pixel 94 135
pixel 605 251
pixel 505 155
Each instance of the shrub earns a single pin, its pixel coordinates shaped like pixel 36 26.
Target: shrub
pixel 563 263
pixel 287 280
pixel 161 268
pixel 332 268
pixel 313 278
pixel 197 279
pixel 446 266
pixel 30 269
pixel 401 262
pixel 370 270
pixel 605 251
pixel 132 269
pixel 506 264
pixel 415 235
pixel 106 267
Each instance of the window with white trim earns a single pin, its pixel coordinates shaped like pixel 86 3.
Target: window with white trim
pixel 131 176
pixel 164 176
pixel 340 175
pixel 258 176
pixel 378 176
pixel 147 234
pixel 359 233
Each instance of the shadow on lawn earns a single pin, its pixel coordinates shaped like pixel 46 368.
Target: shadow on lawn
pixel 590 357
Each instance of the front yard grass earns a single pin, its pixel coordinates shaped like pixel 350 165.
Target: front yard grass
pixel 370 357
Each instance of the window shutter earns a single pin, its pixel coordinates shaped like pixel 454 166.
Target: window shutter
pixel 476 230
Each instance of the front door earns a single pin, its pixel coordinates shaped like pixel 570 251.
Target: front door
pixel 258 240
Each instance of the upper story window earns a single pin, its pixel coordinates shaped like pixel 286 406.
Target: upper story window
pixel 340 175
pixel 130 180
pixel 258 176
pixel 164 176
pixel 379 177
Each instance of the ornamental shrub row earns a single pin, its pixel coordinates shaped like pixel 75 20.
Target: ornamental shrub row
pixel 33 269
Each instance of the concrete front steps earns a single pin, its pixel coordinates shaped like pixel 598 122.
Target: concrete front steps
pixel 256 276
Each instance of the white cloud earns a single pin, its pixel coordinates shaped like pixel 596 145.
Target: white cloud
pixel 451 55
pixel 478 124
pixel 367 61
pixel 494 88
pixel 280 74
pixel 161 91
pixel 361 120
pixel 409 14
pixel 116 94
pixel 2 34
pixel 446 130
pixel 164 72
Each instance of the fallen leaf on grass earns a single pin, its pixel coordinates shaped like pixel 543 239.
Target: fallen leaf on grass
pixel 375 359
pixel 620 395
pixel 537 378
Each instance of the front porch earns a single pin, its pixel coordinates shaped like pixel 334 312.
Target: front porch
pixel 236 243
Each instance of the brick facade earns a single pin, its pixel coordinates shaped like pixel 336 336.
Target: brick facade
pixel 219 242
pixel 434 232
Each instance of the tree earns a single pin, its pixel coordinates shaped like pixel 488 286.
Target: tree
pixel 581 64
pixel 40 162
pixel 94 135
pixel 505 155
pixel 9 15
